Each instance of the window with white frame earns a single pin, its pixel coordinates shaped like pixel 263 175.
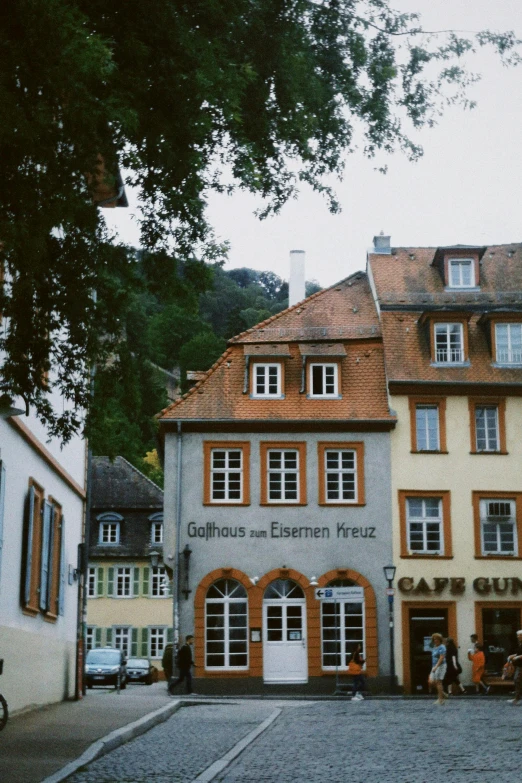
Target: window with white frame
pixel 498 527
pixel 157 641
pixel 486 428
pixel 283 475
pixel 123 582
pixel 90 632
pixel 159 584
pixel 109 530
pixel 324 380
pixel 340 467
pixel 449 343
pixel 226 626
pixel 156 531
pixel 508 341
pixel 461 272
pixel 342 627
pixel 424 525
pixel 267 380
pixel 122 637
pixel 226 475
pixel 91 583
pixel 427 427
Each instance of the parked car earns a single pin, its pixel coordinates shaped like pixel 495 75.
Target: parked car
pixel 103 665
pixel 141 670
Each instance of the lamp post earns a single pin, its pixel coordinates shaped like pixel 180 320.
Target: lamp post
pixel 389 575
pixel 186 558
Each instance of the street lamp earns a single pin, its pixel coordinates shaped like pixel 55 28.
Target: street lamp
pixel 389 575
pixel 154 558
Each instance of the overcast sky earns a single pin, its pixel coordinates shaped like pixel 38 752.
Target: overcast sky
pixel 466 189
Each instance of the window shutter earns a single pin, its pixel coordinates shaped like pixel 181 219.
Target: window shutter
pixel 2 504
pixel 146 577
pixel 170 635
pixel 45 561
pixel 145 642
pixel 29 552
pixel 134 643
pixel 99 582
pixel 170 584
pixel 108 637
pixel 61 590
pixel 50 575
pixel 97 637
pixel 110 581
pixel 136 590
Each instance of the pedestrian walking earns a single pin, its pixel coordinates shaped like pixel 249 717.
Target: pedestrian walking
pixel 438 666
pixel 167 662
pixel 478 668
pixel 451 682
pixel 516 659
pixel 355 668
pixel 184 662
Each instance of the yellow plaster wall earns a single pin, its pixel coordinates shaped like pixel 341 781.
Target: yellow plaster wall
pixel 461 473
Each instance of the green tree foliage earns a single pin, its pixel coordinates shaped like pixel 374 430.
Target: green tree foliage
pixel 186 97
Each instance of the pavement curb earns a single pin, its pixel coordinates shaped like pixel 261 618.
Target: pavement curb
pixel 114 740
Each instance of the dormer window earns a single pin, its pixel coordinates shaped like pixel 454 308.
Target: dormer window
pixel 109 530
pixel 508 343
pixel 156 529
pixel 449 343
pixel 461 273
pixel 267 380
pixel 324 380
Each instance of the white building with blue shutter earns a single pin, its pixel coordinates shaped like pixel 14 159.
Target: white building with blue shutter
pixel 42 500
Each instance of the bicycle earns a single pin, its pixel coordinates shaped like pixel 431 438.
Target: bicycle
pixel 4 712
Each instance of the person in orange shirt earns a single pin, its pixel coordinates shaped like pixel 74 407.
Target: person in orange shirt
pixel 478 660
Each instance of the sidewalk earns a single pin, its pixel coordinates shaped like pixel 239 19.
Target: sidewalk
pixel 36 744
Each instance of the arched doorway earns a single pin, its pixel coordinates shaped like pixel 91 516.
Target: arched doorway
pixel 342 626
pixel 226 626
pixel 284 633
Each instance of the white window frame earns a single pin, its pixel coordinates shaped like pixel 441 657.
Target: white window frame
pixel 510 356
pixel 90 637
pixel 340 633
pixel 226 601
pixel 92 582
pixel 487 519
pixel 445 328
pixel 283 472
pixel 422 428
pixel 158 639
pixel 122 638
pixel 227 471
pixel 159 583
pixel 458 264
pixel 109 528
pixel 127 580
pixel 156 529
pixel 325 366
pixel 424 521
pixel 340 472
pixel 488 447
pixel 264 369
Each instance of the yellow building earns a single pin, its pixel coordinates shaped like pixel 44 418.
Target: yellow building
pixel 452 330
pixel 129 593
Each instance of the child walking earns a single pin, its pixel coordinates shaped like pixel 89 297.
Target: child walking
pixel 478 668
pixel 355 668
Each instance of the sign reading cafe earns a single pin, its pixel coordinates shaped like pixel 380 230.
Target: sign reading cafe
pixel 276 530
pixel 457 585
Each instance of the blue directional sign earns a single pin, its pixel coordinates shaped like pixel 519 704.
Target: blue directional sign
pixel 339 594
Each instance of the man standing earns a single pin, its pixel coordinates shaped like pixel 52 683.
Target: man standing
pixel 184 663
pixel 516 660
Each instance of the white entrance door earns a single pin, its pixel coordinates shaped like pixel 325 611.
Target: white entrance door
pixel 284 641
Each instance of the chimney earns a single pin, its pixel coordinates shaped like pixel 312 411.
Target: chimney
pixel 381 245
pixel 296 287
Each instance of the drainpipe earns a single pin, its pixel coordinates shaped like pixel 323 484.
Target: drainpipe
pixel 176 581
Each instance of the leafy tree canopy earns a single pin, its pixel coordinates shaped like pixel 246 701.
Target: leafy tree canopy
pixel 186 97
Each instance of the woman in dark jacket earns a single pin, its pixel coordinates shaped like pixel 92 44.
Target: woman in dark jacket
pixel 451 682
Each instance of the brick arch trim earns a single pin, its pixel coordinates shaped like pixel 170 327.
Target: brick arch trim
pixel 283 573
pixel 370 611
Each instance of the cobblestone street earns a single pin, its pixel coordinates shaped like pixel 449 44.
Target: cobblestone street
pixel 365 742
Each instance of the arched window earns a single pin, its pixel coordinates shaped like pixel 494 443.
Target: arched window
pixel 342 625
pixel 109 530
pixel 284 589
pixel 226 626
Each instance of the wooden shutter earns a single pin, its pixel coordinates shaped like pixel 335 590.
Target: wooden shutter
pixel 99 582
pixel 108 637
pixel 97 637
pixel 61 588
pixel 145 642
pixel 45 558
pixel 136 586
pixel 110 581
pixel 146 578
pixel 29 541
pixel 134 642
pixel 2 505
pixel 50 570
